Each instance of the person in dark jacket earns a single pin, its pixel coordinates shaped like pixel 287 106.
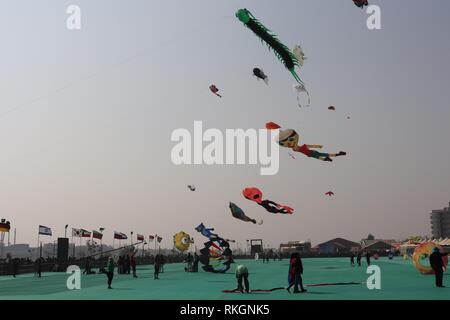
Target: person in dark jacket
pixel 157 266
pixel 358 259
pixel 195 264
pixel 133 265
pixel 110 271
pixel 352 259
pixel 368 258
pixel 438 266
pixel 295 273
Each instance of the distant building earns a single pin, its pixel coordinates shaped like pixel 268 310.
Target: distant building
pixel 338 246
pixel 378 245
pixel 295 246
pixel 440 223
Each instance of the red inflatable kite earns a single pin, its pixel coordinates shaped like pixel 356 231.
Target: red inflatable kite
pixel 254 194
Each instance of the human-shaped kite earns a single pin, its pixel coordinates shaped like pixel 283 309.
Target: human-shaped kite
pixel 254 194
pixel 238 213
pixel 215 90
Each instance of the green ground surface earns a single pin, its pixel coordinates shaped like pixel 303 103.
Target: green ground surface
pixel 399 280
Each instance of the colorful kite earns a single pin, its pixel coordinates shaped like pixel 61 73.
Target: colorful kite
pixel 216 256
pixel 182 241
pixel 282 52
pixel 259 74
pixel 215 90
pixel 289 139
pixel 254 194
pixel 239 214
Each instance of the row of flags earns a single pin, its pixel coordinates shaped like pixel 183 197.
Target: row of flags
pixel 82 233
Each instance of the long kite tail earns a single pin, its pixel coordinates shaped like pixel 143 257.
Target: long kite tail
pixel 296 77
pixel 309 99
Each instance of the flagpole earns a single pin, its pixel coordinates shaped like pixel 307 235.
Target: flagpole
pixel 37 248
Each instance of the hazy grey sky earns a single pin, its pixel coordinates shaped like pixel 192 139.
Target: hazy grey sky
pixel 86 116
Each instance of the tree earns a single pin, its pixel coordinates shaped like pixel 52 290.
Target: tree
pixel 370 237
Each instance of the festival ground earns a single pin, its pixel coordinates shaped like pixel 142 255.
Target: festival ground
pixel 399 280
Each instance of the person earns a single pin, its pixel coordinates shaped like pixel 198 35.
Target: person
pixel 38 267
pixel 189 262
pixel 15 267
pixel 157 266
pixel 196 261
pixel 162 263
pixel 133 265
pixel 110 271
pixel 87 267
pixel 437 264
pixel 127 264
pixel 120 265
pixel 242 276
pixel 358 259
pixel 352 259
pixel 368 258
pixel 295 273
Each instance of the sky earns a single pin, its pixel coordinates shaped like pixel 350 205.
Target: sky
pixel 86 117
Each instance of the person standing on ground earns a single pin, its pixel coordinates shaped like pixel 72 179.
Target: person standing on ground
pixel 157 266
pixel 110 271
pixel 437 264
pixel 295 273
pixel 242 276
pixel 368 258
pixel 352 259
pixel 358 259
pixel 133 265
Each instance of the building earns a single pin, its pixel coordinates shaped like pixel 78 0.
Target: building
pixel 295 246
pixel 440 223
pixel 378 245
pixel 338 246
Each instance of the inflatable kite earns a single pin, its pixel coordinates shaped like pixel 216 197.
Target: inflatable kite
pixel 214 90
pixel 216 256
pixel 239 214
pixel 282 52
pixel 300 88
pixel 422 253
pixel 182 241
pixel 272 126
pixel 254 194
pixel 259 74
pixel 289 139
pixel 361 3
pixel 329 193
pixel 192 188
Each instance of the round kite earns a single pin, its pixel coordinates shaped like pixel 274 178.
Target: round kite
pixel 421 254
pixel 182 241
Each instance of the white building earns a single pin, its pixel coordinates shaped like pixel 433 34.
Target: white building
pixel 440 223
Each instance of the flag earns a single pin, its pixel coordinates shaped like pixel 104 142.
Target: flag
pixel 46 231
pixel 76 232
pixel 97 235
pixel 85 233
pixel 159 239
pixel 151 238
pixel 140 237
pixel 4 226
pixel 120 235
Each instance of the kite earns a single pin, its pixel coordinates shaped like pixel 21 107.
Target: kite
pixel 254 194
pixel 289 139
pixel 259 74
pixel 300 88
pixel 214 90
pixel 239 214
pixel 272 126
pixel 282 52
pixel 182 241
pixel 422 253
pixel 307 285
pixel 206 231
pixel 332 108
pixel 192 188
pixel 361 3
pixel 329 193
pixel 216 256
